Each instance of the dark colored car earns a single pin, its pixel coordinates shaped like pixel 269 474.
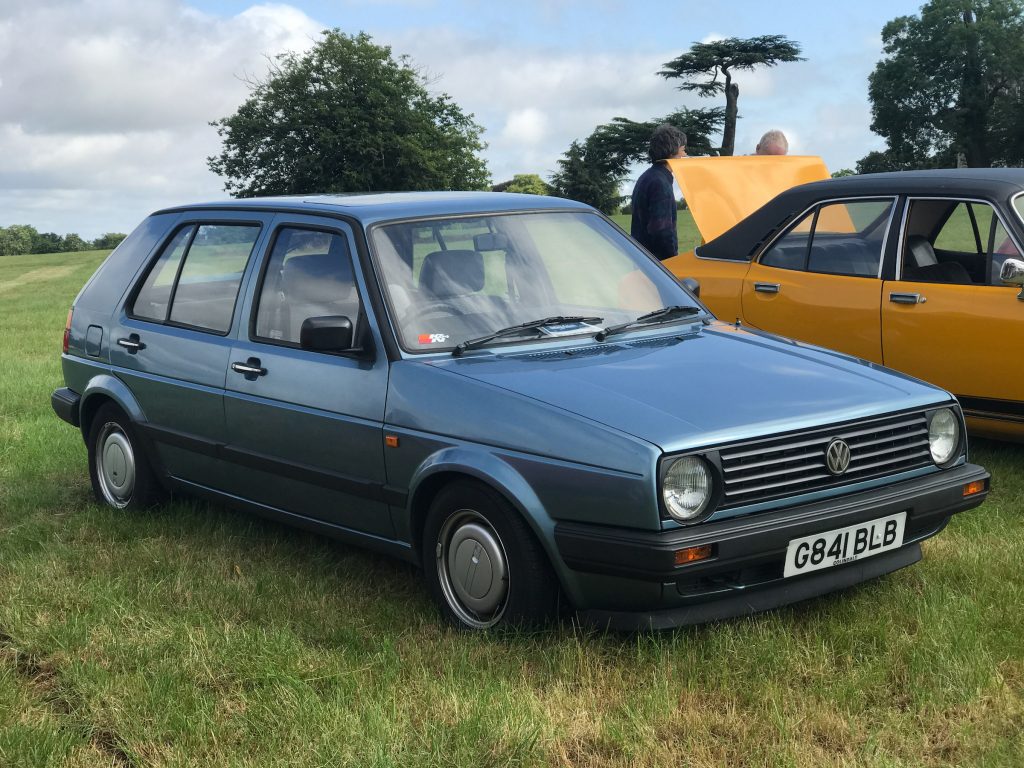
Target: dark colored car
pixel 506 390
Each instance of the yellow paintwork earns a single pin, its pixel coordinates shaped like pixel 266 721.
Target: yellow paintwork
pixel 963 338
pixel 721 191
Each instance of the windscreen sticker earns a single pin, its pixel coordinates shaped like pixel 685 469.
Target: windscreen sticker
pixel 433 338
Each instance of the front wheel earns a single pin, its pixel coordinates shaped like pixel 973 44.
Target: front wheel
pixel 118 467
pixel 482 563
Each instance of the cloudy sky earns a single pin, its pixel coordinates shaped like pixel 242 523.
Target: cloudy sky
pixel 105 104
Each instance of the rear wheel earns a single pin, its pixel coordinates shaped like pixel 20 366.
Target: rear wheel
pixel 118 467
pixel 482 563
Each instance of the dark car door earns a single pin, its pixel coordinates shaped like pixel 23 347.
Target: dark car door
pixel 305 428
pixel 171 343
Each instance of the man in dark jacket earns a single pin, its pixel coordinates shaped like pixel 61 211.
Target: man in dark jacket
pixel 654 200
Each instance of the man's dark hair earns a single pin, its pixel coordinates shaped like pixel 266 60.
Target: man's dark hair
pixel 665 142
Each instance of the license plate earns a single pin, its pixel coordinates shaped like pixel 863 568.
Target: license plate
pixel 844 545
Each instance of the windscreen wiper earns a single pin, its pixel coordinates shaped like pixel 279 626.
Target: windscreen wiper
pixel 514 330
pixel 663 315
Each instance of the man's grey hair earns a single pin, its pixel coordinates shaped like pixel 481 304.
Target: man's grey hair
pixel 774 142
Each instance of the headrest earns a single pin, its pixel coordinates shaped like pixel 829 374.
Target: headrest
pixel 452 273
pixel 318 277
pixel 920 253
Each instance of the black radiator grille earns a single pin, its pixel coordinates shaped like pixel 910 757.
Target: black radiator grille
pixel 777 467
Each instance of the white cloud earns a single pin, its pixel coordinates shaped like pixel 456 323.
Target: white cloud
pixel 107 103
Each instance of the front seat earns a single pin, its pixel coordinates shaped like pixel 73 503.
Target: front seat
pixel 921 265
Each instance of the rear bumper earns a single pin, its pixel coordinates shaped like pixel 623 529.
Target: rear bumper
pixel 65 404
pixel 744 573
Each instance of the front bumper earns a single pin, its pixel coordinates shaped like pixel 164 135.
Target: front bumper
pixel 744 573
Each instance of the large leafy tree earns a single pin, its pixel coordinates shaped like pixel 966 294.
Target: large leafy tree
pixel 949 85
pixel 346 116
pixel 708 69
pixel 626 141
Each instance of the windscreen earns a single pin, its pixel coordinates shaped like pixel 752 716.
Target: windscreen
pixel 450 280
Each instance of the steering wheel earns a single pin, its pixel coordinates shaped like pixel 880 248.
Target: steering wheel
pixel 428 311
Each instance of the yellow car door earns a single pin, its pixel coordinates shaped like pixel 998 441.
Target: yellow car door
pixel 820 281
pixel 948 319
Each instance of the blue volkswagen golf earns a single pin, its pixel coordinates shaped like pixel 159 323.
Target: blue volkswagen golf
pixel 509 392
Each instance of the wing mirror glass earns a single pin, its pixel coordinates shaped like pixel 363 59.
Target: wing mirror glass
pixel 332 333
pixel 1012 272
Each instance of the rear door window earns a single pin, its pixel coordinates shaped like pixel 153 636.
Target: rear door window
pixel 195 280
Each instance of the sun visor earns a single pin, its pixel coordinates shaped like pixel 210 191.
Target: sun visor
pixel 722 191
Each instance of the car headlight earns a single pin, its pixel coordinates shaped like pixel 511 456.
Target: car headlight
pixel 943 435
pixel 687 488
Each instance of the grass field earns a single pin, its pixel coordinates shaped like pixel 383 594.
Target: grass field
pixel 191 635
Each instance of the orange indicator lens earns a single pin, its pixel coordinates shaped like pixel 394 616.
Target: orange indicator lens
pixel 972 488
pixel 391 441
pixel 693 554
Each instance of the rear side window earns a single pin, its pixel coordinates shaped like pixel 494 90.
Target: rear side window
pixel 195 280
pixel 836 239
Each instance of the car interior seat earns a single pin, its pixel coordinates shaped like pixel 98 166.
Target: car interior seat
pixel 318 284
pixel 921 265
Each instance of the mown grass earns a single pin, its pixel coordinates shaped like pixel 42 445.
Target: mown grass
pixel 192 635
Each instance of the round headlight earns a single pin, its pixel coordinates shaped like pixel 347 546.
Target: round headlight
pixel 687 487
pixel 943 435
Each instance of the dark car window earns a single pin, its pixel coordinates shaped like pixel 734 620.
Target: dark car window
pixel 835 238
pixel 152 299
pixel 962 242
pixel 309 274
pixel 198 274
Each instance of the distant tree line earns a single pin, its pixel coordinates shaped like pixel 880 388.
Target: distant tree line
pixel 18 239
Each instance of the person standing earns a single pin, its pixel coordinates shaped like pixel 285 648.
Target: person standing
pixel 654 202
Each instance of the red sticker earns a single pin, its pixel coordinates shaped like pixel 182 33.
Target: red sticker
pixel 432 338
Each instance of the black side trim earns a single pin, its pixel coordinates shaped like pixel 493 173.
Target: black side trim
pixel 65 404
pixel 757 600
pixel 291 470
pixel 989 408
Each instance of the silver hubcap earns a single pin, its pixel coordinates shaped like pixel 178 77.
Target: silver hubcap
pixel 115 465
pixel 473 569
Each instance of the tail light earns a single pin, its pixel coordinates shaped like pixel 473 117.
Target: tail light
pixel 67 330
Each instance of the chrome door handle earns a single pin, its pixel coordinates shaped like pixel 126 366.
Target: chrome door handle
pixel 132 343
pixel 767 287
pixel 907 298
pixel 251 368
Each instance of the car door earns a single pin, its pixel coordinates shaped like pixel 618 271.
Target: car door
pixel 819 281
pixel 947 318
pixel 305 428
pixel 171 340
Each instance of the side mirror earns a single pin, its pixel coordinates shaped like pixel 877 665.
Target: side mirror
pixel 691 285
pixel 1012 272
pixel 332 333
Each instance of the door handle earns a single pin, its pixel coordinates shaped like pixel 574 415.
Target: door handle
pixel 132 343
pixel 767 287
pixel 251 368
pixel 907 298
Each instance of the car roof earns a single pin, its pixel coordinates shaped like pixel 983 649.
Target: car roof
pixel 746 237
pixel 369 208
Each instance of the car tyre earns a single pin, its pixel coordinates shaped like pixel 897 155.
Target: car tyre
pixel 121 474
pixel 483 565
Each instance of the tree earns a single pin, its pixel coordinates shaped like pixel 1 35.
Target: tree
pixel 47 242
pixel 17 239
pixel 524 183
pixel 949 84
pixel 346 116
pixel 72 242
pixel 701 66
pixel 587 174
pixel 626 141
pixel 108 241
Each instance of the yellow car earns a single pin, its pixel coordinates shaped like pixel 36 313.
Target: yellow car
pixel 920 271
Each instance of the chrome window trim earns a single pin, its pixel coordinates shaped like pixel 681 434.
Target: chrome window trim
pixel 1018 211
pixel 829 201
pixel 906 213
